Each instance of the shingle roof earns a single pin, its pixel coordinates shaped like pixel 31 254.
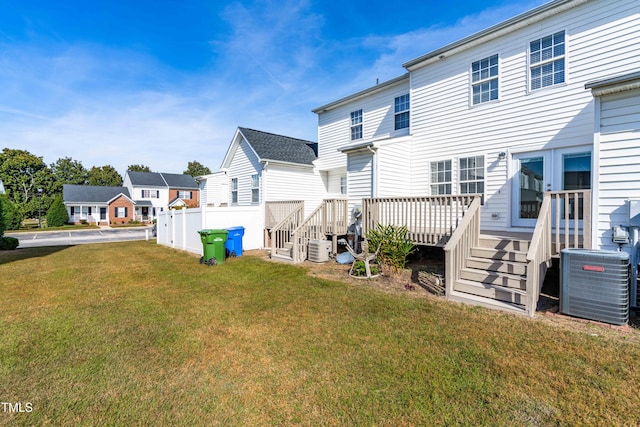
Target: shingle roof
pixel 176 180
pixel 91 193
pixel 151 179
pixel 161 179
pixel 269 146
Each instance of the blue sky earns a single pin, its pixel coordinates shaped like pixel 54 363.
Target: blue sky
pixel 162 83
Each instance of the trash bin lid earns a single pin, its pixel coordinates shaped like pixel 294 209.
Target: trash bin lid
pixel 204 231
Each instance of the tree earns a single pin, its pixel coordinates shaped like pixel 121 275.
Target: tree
pixel 68 171
pixel 57 214
pixel 23 174
pixel 2 226
pixel 105 176
pixel 195 168
pixel 11 216
pixel 139 168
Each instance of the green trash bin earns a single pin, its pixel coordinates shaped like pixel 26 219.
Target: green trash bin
pixel 213 241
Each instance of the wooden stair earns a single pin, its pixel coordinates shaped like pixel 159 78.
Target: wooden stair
pixel 495 275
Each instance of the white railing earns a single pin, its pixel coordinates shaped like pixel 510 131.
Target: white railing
pixel 330 218
pixel 84 217
pixel 430 220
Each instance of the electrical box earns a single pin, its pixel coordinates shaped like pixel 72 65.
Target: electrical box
pixel 620 235
pixel 634 213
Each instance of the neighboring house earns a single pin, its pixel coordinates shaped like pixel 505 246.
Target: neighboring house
pixel 1 187
pixel 98 204
pixel 156 191
pixel 142 196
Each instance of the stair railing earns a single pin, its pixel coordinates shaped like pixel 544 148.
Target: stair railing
pixel 458 248
pixel 282 232
pixel 330 217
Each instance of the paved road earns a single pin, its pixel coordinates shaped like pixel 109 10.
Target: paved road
pixel 78 237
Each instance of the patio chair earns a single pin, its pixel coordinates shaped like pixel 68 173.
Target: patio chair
pixel 366 258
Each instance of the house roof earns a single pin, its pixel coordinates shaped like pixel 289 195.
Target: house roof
pixel 362 93
pixel 91 193
pixel 279 148
pixel 161 179
pixel 519 21
pixel 175 180
pixel 614 84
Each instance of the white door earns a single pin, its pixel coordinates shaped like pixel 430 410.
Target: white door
pixel 549 170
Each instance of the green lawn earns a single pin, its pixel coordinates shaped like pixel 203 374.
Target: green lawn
pixel 138 334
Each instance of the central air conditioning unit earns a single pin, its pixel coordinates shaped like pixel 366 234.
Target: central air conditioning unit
pixel 319 250
pixel 595 285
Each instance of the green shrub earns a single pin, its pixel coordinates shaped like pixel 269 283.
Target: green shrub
pixel 393 243
pixel 57 214
pixel 8 243
pixel 10 213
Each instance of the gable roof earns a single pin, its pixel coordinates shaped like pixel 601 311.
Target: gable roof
pixel 91 193
pixel 161 179
pixel 280 148
pixel 177 180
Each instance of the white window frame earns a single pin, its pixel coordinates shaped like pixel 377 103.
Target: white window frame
pixel 468 175
pixel 255 188
pixel 536 63
pixel 356 125
pixel 343 185
pixel 121 212
pixel 482 74
pixel 234 191
pixel 401 109
pixel 441 177
pixel 185 195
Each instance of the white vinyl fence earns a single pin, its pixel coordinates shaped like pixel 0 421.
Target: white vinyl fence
pixel 179 228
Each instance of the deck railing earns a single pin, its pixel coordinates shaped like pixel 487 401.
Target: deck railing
pixel 558 226
pixel 430 220
pixel 274 212
pixel 330 218
pixel 458 248
pixel 281 234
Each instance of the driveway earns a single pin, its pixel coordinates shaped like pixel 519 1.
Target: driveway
pixel 78 237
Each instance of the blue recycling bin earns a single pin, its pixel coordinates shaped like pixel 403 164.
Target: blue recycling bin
pixel 233 245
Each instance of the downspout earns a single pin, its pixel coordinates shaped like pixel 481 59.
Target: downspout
pixel 374 172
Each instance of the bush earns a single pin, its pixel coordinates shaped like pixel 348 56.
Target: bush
pixel 12 218
pixel 8 243
pixel 393 243
pixel 57 214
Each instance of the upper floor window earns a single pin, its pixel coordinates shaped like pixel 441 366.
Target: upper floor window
pixel 472 175
pixel 185 195
pixel 401 110
pixel 150 194
pixel 484 79
pixel 234 190
pixel 441 177
pixel 546 61
pixel 255 188
pixel 356 125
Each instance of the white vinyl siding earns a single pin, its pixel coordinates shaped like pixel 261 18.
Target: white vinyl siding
pixel 393 160
pixel 282 182
pixel 378 124
pixel 359 177
pixel 602 41
pixel 619 177
pixel 245 163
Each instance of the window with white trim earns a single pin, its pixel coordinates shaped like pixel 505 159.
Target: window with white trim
pixel 343 185
pixel 121 212
pixel 401 111
pixel 441 177
pixel 471 173
pixel 484 80
pixel 255 188
pixel 356 125
pixel 185 195
pixel 150 194
pixel 234 190
pixel 547 61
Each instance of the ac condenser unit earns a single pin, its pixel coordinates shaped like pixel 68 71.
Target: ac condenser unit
pixel 595 285
pixel 319 250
